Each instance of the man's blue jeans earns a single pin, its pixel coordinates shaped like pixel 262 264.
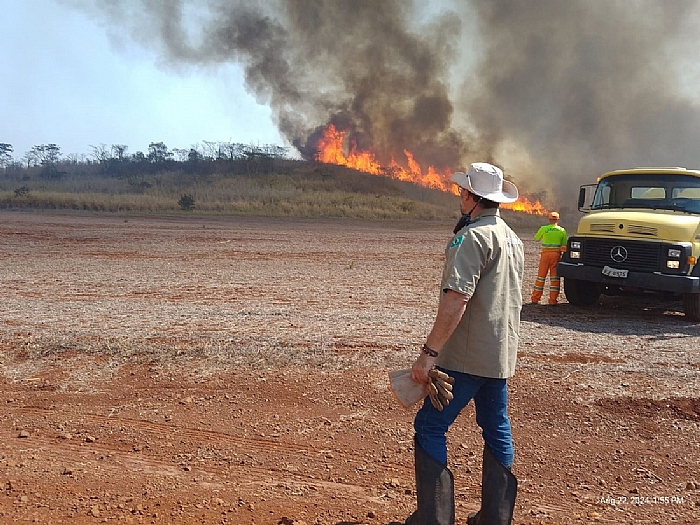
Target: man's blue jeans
pixel 491 403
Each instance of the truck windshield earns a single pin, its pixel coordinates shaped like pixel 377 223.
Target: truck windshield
pixel 651 191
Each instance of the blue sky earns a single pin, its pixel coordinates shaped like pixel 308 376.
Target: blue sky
pixel 64 82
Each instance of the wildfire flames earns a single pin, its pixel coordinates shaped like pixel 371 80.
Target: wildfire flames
pixel 331 151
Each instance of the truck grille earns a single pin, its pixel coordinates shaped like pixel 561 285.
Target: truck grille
pixel 640 255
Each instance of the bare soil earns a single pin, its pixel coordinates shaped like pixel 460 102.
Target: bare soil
pixel 227 370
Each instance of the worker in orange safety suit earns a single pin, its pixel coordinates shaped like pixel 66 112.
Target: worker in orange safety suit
pixel 553 239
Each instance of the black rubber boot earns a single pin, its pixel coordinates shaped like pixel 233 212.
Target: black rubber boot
pixel 434 491
pixel 499 488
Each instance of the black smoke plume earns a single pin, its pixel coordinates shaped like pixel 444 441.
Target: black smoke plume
pixel 556 92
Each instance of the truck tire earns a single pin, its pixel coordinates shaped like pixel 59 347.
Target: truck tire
pixel 691 306
pixel 581 293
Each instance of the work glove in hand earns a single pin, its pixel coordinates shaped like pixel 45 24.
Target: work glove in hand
pixel 440 388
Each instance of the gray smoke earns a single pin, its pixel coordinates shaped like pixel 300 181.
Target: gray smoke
pixel 556 92
pixel 584 87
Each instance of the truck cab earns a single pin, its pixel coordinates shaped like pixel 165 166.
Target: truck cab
pixel 641 233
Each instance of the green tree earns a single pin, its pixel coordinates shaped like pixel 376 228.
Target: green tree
pixel 119 151
pixel 46 154
pixel 5 154
pixel 158 152
pixel 194 156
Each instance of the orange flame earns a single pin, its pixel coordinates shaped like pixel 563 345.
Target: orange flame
pixel 525 205
pixel 331 151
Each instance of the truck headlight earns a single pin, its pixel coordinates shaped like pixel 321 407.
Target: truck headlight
pixel 574 255
pixel 674 253
pixel 575 245
pixel 674 265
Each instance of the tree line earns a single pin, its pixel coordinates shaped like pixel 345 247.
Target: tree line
pixel 47 160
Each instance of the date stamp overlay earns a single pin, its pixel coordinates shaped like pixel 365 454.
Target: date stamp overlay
pixel 642 500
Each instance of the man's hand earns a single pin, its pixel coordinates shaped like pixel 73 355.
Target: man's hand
pixel 419 371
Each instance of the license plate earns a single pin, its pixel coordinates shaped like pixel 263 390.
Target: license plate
pixel 614 272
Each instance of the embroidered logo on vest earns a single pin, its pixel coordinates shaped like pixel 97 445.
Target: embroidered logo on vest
pixel 456 241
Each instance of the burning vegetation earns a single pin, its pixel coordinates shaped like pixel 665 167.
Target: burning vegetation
pixel 332 149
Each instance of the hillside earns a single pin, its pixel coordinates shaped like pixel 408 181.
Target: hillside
pixel 271 187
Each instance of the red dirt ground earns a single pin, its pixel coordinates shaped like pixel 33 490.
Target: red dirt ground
pixel 234 371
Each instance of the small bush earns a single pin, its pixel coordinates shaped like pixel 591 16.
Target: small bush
pixel 186 202
pixel 22 191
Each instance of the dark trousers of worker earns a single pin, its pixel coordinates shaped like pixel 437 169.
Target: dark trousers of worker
pixel 549 258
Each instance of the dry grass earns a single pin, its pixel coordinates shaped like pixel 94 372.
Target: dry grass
pixel 295 189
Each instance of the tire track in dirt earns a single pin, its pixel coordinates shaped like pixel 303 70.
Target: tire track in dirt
pixel 63 454
pixel 140 426
pixel 121 459
pixel 211 437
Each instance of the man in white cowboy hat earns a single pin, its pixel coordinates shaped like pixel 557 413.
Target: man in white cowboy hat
pixel 474 339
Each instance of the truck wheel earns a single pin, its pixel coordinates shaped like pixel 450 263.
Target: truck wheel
pixel 581 293
pixel 691 306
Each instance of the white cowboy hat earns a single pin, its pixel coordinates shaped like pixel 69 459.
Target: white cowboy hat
pixel 486 180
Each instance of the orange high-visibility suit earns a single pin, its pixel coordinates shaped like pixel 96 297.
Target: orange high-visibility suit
pixel 553 239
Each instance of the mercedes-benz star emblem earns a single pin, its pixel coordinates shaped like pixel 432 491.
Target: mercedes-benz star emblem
pixel 618 254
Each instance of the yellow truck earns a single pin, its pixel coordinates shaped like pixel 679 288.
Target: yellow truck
pixel 640 234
